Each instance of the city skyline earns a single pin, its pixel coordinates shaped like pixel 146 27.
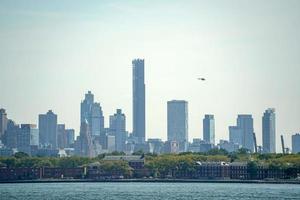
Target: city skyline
pixel 243 134
pixel 94 108
pixel 49 59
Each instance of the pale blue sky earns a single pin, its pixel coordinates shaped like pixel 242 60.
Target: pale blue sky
pixel 52 52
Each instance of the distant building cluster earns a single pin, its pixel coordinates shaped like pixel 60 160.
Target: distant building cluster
pixel 49 138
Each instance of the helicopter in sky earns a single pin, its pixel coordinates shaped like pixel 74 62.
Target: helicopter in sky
pixel 201 79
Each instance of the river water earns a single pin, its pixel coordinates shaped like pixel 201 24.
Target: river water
pixel 145 191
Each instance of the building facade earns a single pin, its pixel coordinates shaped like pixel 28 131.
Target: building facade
pixel 3 122
pixel 296 143
pixel 245 123
pixel 117 125
pixel 70 136
pixel 92 112
pixel 178 123
pixel 48 130
pixel 84 144
pixel 269 131
pixel 138 89
pixel 27 137
pixel 111 143
pixel 209 129
pixel 10 136
pixel 235 135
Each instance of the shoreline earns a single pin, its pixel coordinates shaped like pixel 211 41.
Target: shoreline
pixel 151 181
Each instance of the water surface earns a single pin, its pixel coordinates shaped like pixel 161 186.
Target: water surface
pixel 147 191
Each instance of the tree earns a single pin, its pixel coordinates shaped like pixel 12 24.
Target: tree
pixel 242 151
pixel 10 162
pixel 217 151
pixel 118 153
pixel 252 169
pixel 21 155
pixel 232 157
pixel 138 153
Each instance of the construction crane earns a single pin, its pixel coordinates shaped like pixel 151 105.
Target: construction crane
pixel 255 144
pixel 282 144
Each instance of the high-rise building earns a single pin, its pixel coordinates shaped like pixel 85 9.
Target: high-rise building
pixel 86 107
pixel 178 123
pixel 111 143
pixel 92 112
pixel 228 146
pixel 235 135
pixel 156 145
pixel 209 129
pixel 97 120
pixel 61 136
pixel 84 144
pixel 21 137
pixel 10 136
pixel 65 137
pixel 138 89
pixel 117 125
pixel 269 131
pixel 296 143
pixel 3 122
pixel 171 147
pixel 245 122
pixel 48 130
pixel 70 136
pixel 28 135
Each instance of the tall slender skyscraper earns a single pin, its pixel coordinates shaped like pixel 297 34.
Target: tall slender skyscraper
pixel 138 89
pixel 93 114
pixel 178 123
pixel 117 125
pixel 61 136
pixel 48 129
pixel 268 131
pixel 209 129
pixel 3 122
pixel 245 123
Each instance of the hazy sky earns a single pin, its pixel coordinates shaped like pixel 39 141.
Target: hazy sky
pixel 52 52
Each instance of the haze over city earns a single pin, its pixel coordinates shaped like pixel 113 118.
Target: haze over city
pixel 53 52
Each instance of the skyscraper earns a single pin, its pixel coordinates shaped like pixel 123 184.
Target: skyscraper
pixel 84 145
pixel 209 129
pixel 268 131
pixel 235 135
pixel 3 122
pixel 178 123
pixel 245 122
pixel 86 107
pixel 10 136
pixel 111 143
pixel 61 136
pixel 138 89
pixel 296 143
pixel 117 125
pixel 70 136
pixel 48 129
pixel 28 135
pixel 92 112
